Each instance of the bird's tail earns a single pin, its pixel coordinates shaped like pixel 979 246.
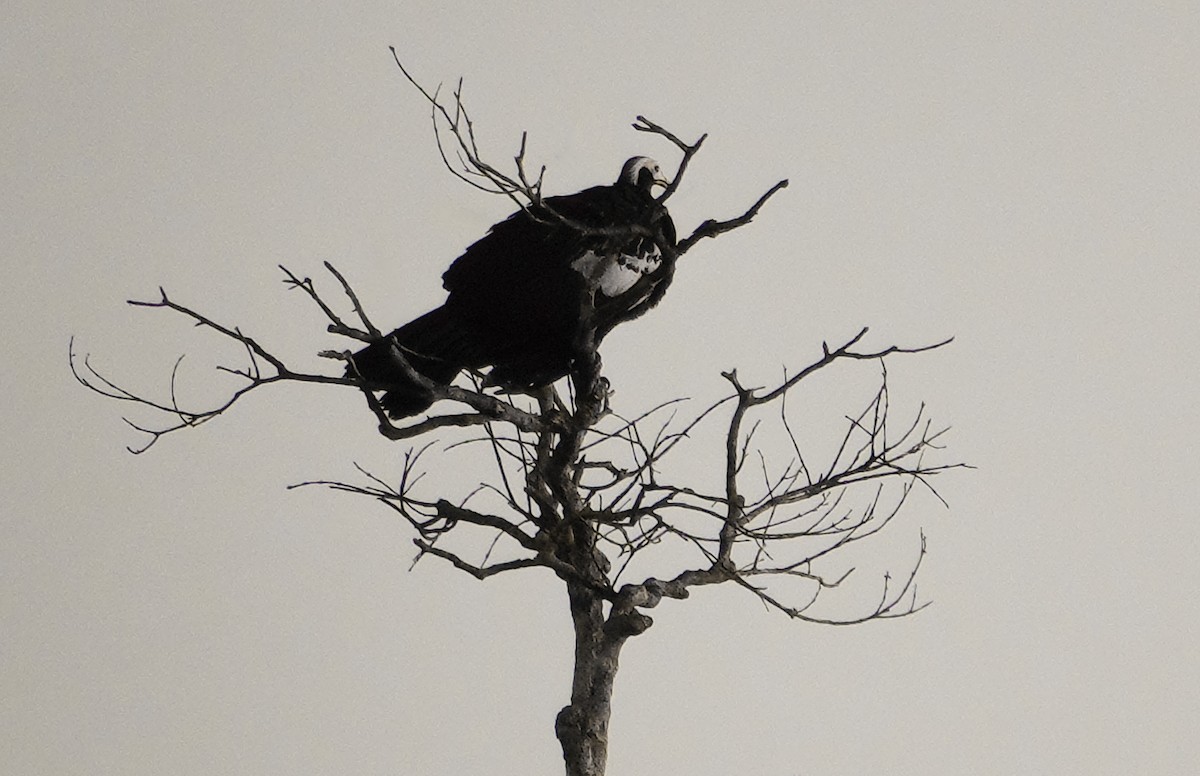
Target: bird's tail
pixel 433 345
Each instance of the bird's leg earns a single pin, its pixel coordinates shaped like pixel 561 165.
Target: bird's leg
pixel 586 375
pixel 603 392
pixel 591 390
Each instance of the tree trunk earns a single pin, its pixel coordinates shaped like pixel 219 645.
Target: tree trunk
pixel 582 726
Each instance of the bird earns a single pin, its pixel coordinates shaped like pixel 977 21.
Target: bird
pixel 532 298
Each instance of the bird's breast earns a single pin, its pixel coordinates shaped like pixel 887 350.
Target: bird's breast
pixel 614 274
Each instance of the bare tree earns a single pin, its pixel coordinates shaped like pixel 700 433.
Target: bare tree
pixel 577 489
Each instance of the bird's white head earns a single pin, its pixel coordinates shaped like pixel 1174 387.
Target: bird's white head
pixel 643 172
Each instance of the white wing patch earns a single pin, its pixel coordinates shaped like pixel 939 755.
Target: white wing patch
pixel 615 274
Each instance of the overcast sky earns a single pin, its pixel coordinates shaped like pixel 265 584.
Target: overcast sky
pixel 1022 176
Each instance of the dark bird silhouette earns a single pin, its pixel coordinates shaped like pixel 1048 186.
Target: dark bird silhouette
pixel 535 293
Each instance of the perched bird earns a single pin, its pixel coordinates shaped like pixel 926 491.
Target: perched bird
pixel 525 298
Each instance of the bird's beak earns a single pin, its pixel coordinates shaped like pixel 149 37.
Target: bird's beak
pixel 661 181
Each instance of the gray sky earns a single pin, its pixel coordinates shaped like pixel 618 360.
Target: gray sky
pixel 1021 177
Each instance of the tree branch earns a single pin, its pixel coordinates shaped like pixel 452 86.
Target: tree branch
pixel 479 572
pixel 711 228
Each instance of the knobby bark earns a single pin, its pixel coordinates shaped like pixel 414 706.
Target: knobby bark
pixel 582 725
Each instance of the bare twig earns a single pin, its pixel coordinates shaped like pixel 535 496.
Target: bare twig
pixel 644 124
pixel 711 228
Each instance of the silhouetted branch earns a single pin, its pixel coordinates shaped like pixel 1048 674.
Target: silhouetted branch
pixel 644 124
pixel 711 228
pixel 336 325
pixel 479 572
